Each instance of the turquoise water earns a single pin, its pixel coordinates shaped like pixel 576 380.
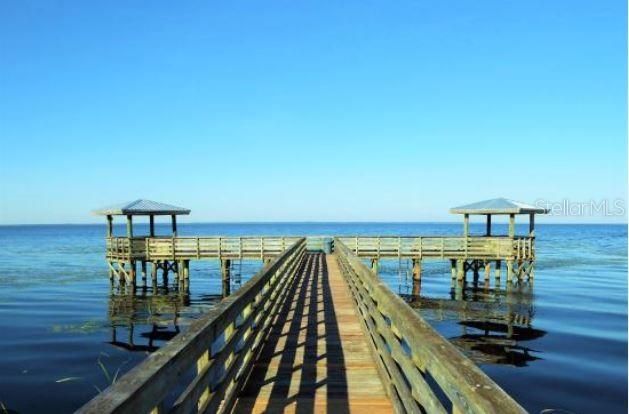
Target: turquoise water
pixel 558 343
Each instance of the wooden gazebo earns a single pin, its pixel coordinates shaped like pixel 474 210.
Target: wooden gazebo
pixel 141 207
pixel 499 206
pixel 523 247
pixel 127 250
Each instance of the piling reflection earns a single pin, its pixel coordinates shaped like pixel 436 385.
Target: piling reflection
pixel 496 323
pixel 142 319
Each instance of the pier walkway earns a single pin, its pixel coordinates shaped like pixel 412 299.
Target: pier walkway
pixel 309 333
pixel 315 358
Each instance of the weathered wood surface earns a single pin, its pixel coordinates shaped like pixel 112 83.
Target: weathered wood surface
pixel 316 358
pixel 217 350
pixel 199 248
pixel 195 248
pixel 409 352
pixel 308 333
pixel 473 247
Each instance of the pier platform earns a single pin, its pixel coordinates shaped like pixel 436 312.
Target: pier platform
pixel 311 332
pixel 316 329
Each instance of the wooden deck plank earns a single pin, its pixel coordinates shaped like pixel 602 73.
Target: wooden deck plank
pixel 315 358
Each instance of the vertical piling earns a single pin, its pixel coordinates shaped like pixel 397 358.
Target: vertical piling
pixel 520 269
pixel 374 265
pixel 458 290
pixel 132 272
pixel 110 266
pixel 460 269
pixel 154 274
pixel 165 272
pixel 417 269
pixel 509 270
pixel 225 276
pixel 143 267
pixel 121 274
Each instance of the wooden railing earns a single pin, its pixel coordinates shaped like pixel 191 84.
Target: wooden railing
pixel 217 350
pixel 421 370
pixel 190 248
pixel 124 248
pixel 473 247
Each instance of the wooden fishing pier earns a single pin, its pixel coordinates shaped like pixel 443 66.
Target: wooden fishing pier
pixel 315 330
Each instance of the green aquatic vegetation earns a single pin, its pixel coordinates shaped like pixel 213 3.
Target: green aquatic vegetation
pixel 111 377
pixel 85 327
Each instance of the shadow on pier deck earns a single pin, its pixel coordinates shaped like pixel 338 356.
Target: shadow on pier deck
pixel 315 358
pixel 309 333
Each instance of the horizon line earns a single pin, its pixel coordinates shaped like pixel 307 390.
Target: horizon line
pixel 308 222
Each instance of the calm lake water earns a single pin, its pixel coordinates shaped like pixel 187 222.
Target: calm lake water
pixel 559 343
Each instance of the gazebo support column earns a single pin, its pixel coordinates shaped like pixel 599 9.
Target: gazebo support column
pixel 531 225
pixel 110 226
pixel 174 224
pixel 511 225
pixel 152 225
pixel 129 225
pixel 466 225
pixel 488 231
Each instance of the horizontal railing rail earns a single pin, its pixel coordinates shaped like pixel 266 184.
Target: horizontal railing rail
pixel 454 247
pixel 446 247
pixel 187 248
pixel 218 349
pixel 422 371
pixel 125 248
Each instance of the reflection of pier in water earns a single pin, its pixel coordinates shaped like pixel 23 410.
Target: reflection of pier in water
pixel 150 316
pixel 494 322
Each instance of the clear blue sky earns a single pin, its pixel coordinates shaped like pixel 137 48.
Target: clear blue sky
pixel 295 110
